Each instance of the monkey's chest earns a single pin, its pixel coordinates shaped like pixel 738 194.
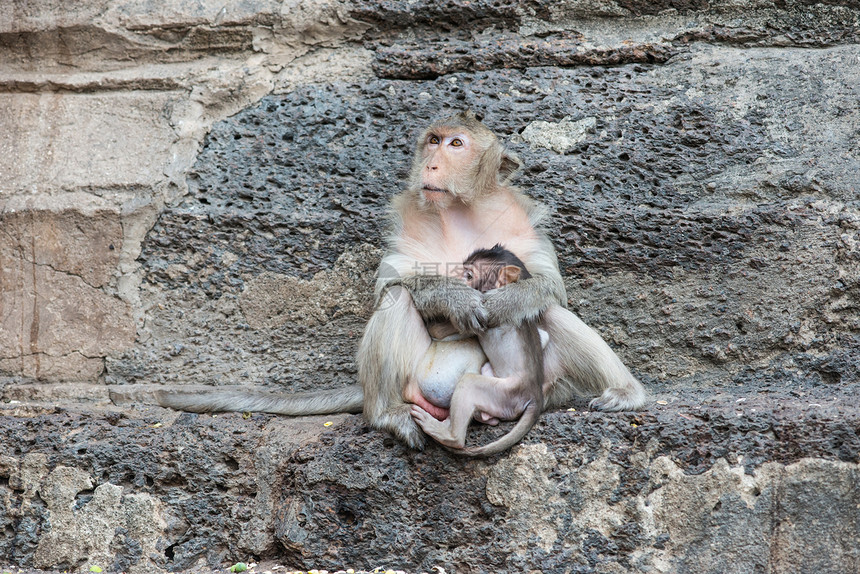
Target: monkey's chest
pixel 444 255
pixel 440 242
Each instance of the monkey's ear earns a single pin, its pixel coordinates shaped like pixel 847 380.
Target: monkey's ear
pixel 509 274
pixel 468 114
pixel 509 167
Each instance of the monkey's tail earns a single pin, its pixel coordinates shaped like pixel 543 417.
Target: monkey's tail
pixel 527 421
pixel 344 400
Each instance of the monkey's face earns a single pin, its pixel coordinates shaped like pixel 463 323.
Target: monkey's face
pixel 482 275
pixel 458 160
pixel 447 165
pixel 488 273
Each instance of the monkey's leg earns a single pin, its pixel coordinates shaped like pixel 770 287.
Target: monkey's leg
pixel 441 330
pixel 394 341
pixel 473 392
pixel 577 360
pixel 487 371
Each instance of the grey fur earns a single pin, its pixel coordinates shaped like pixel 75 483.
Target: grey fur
pixel 442 296
pixel 346 400
pixel 522 301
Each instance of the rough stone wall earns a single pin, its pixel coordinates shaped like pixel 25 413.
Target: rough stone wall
pixel 193 193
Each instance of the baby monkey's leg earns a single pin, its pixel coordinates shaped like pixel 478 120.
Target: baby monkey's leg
pixel 473 392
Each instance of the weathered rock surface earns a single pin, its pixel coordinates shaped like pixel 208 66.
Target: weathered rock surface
pixel 713 486
pixel 707 235
pixel 58 316
pixel 194 193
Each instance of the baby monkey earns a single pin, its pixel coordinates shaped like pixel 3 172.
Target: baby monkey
pixel 510 384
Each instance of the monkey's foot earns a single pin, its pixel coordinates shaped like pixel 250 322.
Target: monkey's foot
pixel 437 412
pixel 398 421
pixel 619 399
pixel 486 419
pixel 439 430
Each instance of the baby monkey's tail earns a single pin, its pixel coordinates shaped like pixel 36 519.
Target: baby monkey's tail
pixel 530 416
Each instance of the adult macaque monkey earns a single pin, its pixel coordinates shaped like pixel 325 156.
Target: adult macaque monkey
pixel 510 385
pixel 458 199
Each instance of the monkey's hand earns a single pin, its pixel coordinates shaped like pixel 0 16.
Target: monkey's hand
pixel 438 295
pixel 525 299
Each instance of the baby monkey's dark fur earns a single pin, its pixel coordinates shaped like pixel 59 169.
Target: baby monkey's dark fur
pixel 494 259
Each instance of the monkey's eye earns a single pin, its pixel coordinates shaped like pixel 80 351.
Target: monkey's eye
pixel 433 140
pixel 468 275
pixel 457 142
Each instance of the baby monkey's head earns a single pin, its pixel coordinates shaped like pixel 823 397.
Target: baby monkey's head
pixel 487 269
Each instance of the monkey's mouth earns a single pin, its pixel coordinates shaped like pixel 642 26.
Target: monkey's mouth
pixel 432 189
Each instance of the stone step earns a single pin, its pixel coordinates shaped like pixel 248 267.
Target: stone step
pixel 765 484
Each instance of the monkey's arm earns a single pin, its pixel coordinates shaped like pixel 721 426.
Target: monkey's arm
pixel 433 295
pixel 526 299
pixel 439 295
